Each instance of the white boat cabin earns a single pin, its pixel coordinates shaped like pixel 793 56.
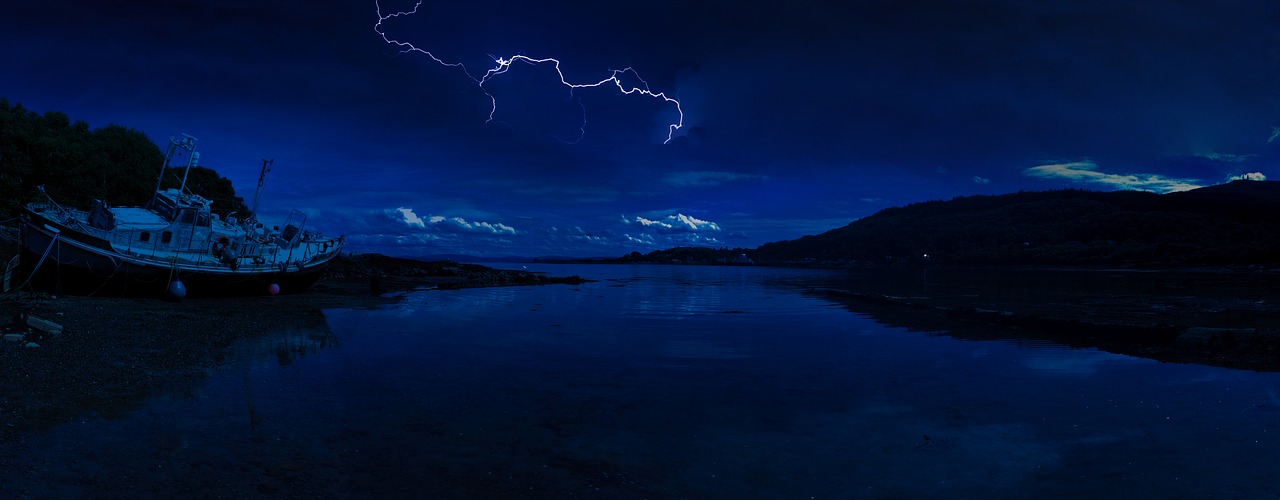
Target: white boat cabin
pixel 182 226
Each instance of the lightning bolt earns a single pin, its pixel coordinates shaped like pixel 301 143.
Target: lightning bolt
pixel 504 64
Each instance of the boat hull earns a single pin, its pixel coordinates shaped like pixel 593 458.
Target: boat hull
pixel 59 260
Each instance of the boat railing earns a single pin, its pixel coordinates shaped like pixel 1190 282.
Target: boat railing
pixel 69 217
pixel 253 256
pixel 195 253
pixel 126 239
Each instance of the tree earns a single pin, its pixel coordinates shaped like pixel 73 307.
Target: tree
pixel 77 165
pixel 207 183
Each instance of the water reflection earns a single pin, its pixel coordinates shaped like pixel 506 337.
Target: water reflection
pixel 109 373
pixel 1055 360
pixel 742 386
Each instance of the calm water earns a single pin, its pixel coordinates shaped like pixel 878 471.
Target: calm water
pixel 667 382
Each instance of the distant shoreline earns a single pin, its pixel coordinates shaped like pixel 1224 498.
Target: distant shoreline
pixel 1225 317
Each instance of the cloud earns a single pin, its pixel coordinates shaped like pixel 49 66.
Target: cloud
pixel 1086 171
pixel 578 235
pixel 671 240
pixel 410 218
pixel 475 227
pixel 667 231
pixel 981 180
pixel 674 223
pixel 640 239
pixel 1251 176
pixel 1228 158
pixel 707 178
pixel 1275 132
pixel 451 224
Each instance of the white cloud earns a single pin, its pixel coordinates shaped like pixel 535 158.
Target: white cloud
pixel 640 239
pixel 1251 176
pixel 646 222
pixel 410 218
pixel 478 227
pixel 454 224
pixel 1086 171
pixel 1275 132
pixel 981 180
pixel 707 178
pixel 667 231
pixel 675 223
pixel 696 224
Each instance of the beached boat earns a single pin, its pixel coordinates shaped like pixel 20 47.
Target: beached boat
pixel 173 245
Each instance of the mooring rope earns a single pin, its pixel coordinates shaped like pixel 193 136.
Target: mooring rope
pixel 105 281
pixel 15 290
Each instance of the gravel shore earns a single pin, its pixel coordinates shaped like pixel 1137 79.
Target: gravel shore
pixel 109 354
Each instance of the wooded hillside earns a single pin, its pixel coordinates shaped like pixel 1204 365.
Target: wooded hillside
pixel 76 164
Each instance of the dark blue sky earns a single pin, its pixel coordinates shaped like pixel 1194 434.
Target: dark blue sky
pixel 799 117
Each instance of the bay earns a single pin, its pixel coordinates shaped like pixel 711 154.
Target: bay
pixel 667 382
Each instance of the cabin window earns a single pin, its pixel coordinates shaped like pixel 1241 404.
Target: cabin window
pixel 166 237
pixel 187 217
pixel 162 206
pixel 144 236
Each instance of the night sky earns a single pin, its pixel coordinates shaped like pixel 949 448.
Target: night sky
pixel 798 117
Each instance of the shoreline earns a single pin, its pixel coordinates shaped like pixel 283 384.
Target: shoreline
pixel 1229 319
pixel 109 355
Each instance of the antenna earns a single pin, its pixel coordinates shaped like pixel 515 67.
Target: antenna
pixel 262 177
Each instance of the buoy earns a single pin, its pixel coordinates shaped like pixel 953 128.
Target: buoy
pixel 177 289
pixel 274 289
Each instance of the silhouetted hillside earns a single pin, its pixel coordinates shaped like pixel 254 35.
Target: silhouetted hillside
pixel 1230 224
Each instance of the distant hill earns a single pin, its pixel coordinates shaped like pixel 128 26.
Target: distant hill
pixel 1229 224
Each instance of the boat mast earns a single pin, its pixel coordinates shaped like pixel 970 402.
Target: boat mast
pixel 262 177
pixel 188 143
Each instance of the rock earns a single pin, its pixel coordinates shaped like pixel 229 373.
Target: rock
pixel 1199 336
pixel 44 325
pixel 32 344
pixel 14 337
